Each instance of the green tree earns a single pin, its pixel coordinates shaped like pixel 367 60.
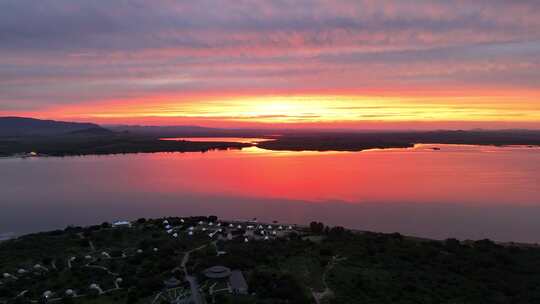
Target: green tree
pixel 316 227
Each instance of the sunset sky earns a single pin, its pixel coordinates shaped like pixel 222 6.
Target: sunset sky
pixel 358 64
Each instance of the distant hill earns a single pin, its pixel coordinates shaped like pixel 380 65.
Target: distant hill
pixel 188 131
pixel 20 126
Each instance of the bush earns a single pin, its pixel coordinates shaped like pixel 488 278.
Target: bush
pixel 316 227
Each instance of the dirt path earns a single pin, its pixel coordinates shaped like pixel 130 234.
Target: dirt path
pixel 194 286
pixel 185 259
pixel 318 296
pixel 91 245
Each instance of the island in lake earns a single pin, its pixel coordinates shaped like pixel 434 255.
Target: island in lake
pixel 205 259
pixel 33 137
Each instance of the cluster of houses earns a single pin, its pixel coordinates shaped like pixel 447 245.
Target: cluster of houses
pixel 22 271
pixel 220 278
pixel 219 231
pixel 49 295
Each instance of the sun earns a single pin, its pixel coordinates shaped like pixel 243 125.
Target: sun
pixel 281 109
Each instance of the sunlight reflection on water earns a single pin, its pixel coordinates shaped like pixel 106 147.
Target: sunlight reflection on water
pixel 461 191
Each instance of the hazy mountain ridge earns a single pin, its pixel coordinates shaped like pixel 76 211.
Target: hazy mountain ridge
pixel 22 126
pixel 56 138
pixel 189 131
pixel 23 135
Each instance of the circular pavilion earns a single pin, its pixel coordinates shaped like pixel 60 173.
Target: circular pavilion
pixel 217 272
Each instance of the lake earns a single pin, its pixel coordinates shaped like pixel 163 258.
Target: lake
pixel 468 192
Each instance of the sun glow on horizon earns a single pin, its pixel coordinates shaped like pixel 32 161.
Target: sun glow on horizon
pixel 292 63
pixel 320 109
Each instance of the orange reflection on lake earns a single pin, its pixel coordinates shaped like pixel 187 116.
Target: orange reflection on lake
pixel 430 190
pixel 480 175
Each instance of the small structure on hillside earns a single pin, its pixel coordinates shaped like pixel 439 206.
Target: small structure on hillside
pixel 39 267
pixel 217 272
pixel 238 282
pixel 119 224
pixel 47 294
pixel 95 286
pixel 172 282
pixel 234 279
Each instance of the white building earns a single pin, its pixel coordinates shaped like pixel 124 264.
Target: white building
pixel 119 224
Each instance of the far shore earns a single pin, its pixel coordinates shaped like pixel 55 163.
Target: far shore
pixel 232 146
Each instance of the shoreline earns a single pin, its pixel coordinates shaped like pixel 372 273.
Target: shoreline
pixel 299 150
pixel 6 236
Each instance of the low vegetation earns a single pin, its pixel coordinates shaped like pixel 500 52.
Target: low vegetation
pixel 308 264
pixel 91 144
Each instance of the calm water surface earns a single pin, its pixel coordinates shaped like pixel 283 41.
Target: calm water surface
pixel 458 191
